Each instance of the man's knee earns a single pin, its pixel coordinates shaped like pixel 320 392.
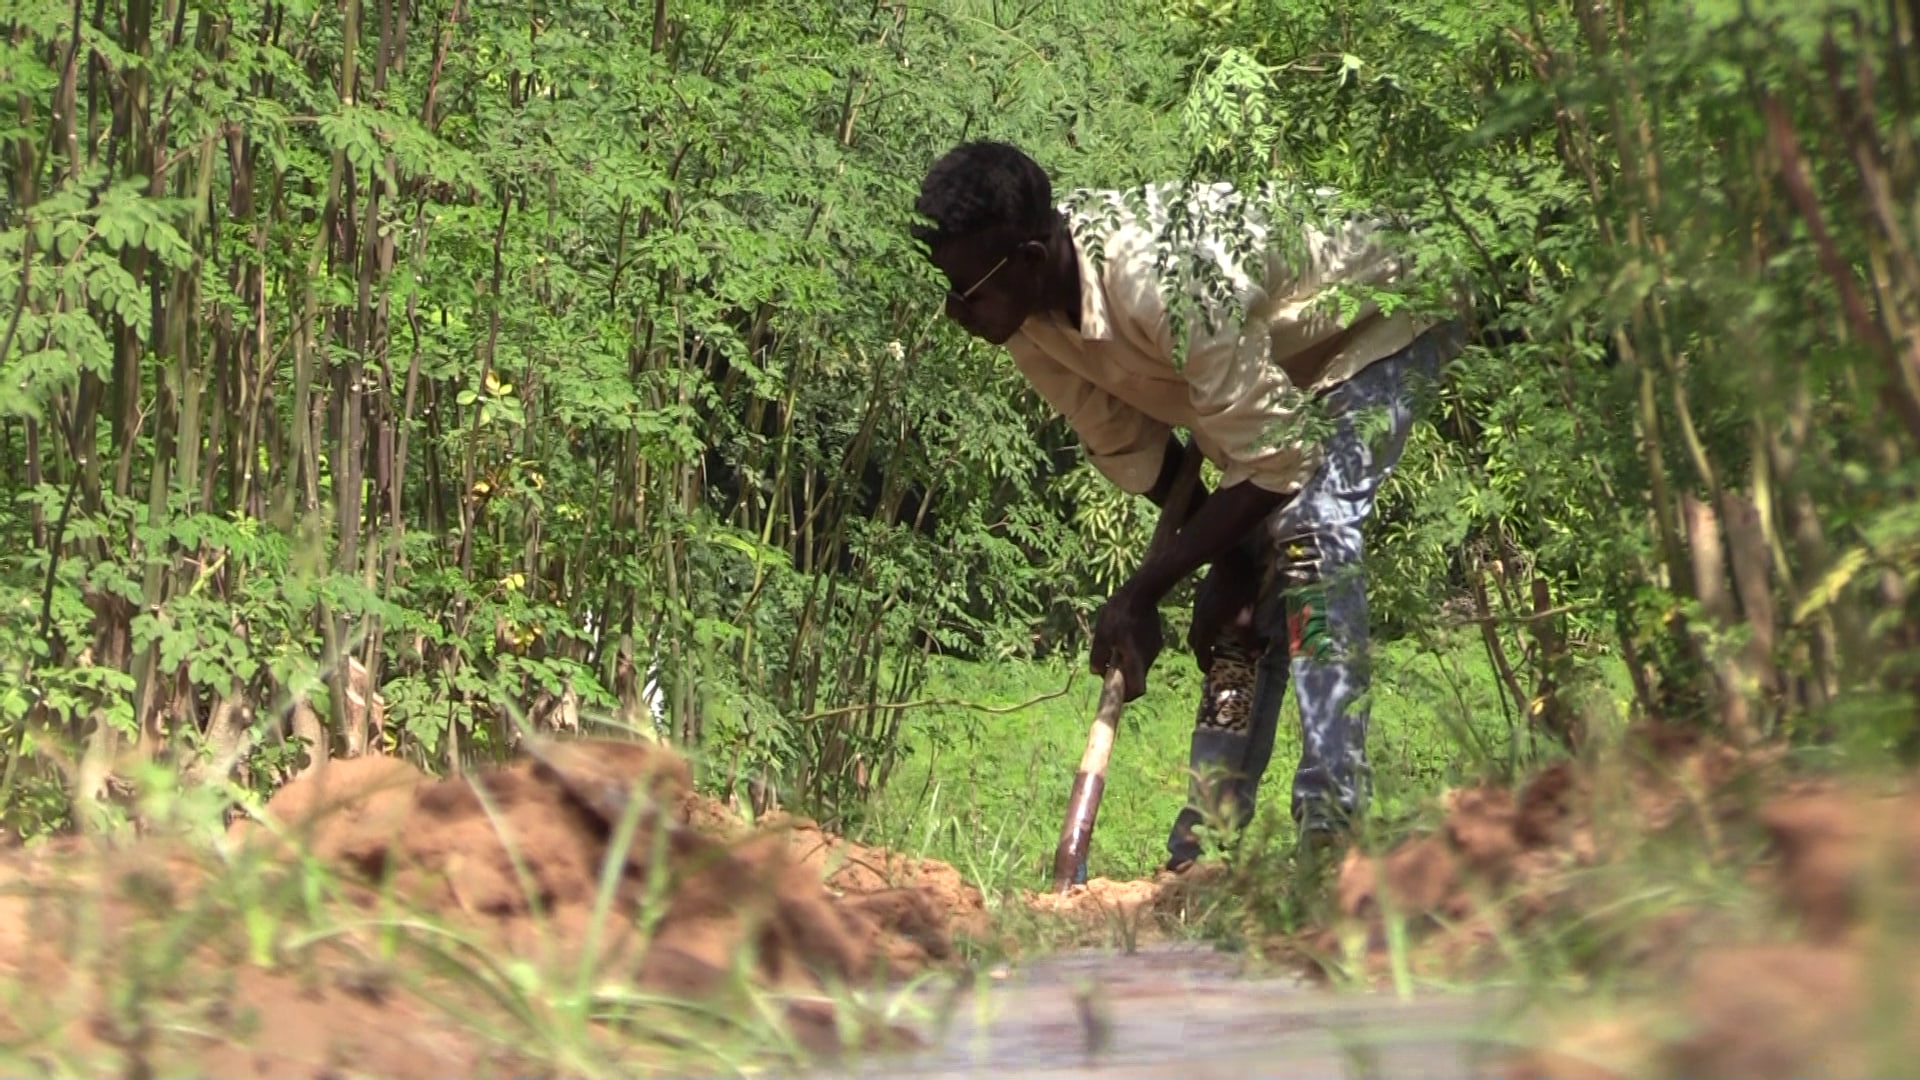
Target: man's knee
pixel 1314 572
pixel 1229 689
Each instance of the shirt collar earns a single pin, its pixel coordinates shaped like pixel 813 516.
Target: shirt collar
pixel 1095 319
pixel 1095 324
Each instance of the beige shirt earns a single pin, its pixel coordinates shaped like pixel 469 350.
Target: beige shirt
pixel 1244 381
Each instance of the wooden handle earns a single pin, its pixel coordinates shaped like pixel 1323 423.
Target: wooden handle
pixel 1090 781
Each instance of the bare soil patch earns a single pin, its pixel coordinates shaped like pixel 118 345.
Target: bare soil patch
pixel 1813 973
pixel 451 904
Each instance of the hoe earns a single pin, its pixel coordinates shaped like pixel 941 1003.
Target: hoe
pixel 1083 803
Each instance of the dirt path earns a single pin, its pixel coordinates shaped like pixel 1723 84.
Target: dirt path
pixel 1179 1010
pixel 1185 1011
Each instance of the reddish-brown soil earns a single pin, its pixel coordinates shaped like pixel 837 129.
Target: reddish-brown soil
pixel 471 874
pixel 1816 986
pixel 1145 904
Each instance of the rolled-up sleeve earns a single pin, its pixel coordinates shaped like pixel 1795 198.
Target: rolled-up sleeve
pixel 1125 444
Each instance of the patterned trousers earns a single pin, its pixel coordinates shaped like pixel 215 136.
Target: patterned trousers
pixel 1310 619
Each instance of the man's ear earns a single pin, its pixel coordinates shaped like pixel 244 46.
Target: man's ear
pixel 1032 252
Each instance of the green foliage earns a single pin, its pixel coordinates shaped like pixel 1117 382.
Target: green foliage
pixel 518 361
pixel 521 357
pixel 1658 317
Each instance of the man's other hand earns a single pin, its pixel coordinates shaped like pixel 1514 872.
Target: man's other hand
pixel 1224 601
pixel 1127 632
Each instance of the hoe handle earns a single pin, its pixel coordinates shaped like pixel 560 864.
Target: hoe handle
pixel 1083 802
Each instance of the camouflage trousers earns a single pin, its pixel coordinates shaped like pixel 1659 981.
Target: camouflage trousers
pixel 1310 620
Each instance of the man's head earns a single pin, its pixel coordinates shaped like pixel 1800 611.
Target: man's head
pixel 995 233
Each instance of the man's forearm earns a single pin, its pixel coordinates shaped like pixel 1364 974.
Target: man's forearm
pixel 1211 532
pixel 1169 472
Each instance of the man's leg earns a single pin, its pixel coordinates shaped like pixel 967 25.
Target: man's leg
pixel 1319 561
pixel 1270 686
pixel 1232 740
pixel 1234 724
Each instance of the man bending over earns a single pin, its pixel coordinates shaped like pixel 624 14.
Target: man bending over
pixel 1226 337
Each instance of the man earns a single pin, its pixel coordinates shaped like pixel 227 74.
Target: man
pixel 1226 337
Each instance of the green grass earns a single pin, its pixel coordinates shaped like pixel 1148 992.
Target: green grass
pixel 985 791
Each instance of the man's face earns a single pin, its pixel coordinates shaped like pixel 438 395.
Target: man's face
pixel 995 282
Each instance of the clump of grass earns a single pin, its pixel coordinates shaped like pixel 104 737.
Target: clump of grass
pixel 972 782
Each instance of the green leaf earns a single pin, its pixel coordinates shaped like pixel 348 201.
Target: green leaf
pixel 1831 584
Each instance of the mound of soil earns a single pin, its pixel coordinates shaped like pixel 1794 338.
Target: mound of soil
pixel 1491 841
pixel 585 855
pixel 1835 992
pixel 521 850
pixel 1100 899
pixel 1513 855
pixel 1813 991
pixel 1140 910
pixel 1844 999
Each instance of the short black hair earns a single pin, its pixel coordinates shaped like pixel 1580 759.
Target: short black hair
pixel 978 185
